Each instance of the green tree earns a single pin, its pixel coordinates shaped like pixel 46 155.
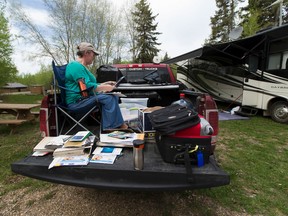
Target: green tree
pixel 254 16
pixel 43 77
pixel 72 22
pixel 223 21
pixel 7 68
pixel 251 26
pixel 166 57
pixel 260 14
pixel 146 40
pixel 130 27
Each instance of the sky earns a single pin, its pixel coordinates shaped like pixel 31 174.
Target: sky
pixel 184 24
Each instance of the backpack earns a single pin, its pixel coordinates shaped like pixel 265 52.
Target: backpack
pixel 172 118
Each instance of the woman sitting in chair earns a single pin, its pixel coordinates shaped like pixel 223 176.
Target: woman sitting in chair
pixel 76 71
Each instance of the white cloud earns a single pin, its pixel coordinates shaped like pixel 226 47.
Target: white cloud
pixel 24 65
pixel 184 25
pixel 41 19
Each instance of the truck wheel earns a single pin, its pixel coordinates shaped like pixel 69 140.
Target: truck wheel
pixel 279 111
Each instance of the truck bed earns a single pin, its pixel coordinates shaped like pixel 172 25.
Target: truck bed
pixel 156 175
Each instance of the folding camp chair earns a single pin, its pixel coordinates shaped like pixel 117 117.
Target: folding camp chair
pixel 83 109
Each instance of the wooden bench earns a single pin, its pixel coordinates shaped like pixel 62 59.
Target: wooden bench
pixel 35 113
pixel 12 123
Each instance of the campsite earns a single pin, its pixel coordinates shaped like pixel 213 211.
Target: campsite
pixel 242 60
pixel 253 151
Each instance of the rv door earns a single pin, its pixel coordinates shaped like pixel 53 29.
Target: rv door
pixel 251 96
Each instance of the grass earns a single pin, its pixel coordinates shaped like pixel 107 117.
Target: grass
pixel 19 98
pixel 254 152
pixel 17 146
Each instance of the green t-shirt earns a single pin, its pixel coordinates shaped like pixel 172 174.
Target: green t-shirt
pixel 75 71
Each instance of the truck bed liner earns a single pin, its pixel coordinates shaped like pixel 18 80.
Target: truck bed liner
pixel 156 175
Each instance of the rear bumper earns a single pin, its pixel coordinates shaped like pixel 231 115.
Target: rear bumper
pixel 156 175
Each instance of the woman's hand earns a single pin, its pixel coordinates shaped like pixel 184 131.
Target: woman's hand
pixel 104 88
pixel 108 88
pixel 112 83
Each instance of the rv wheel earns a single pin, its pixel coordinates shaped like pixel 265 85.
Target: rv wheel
pixel 279 111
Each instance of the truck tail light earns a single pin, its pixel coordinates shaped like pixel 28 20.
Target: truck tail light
pixel 47 117
pixel 208 108
pixel 212 118
pixel 43 117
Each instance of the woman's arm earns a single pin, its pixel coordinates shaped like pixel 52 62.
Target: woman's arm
pixel 104 88
pixel 109 83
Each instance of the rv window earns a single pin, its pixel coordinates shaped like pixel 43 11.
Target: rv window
pixel 253 63
pixel 285 60
pixel 274 61
pixel 278 54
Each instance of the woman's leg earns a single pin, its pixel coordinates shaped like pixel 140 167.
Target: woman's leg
pixel 111 114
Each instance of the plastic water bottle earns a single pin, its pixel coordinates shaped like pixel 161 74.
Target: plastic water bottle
pixel 181 101
pixel 200 159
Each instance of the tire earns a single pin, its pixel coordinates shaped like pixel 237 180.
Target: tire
pixel 279 111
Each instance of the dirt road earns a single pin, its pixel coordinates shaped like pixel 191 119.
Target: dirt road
pixel 67 200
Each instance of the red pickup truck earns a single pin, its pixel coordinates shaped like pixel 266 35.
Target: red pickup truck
pixel 153 81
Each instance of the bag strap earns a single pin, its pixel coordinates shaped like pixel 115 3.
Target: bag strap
pixel 188 164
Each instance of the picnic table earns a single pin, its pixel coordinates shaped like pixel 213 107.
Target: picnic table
pixel 22 113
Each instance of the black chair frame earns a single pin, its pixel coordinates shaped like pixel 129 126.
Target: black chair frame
pixel 59 84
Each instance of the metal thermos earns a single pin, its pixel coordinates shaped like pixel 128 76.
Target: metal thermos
pixel 138 154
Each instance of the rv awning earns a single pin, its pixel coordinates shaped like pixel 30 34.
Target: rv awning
pixel 234 52
pixel 226 53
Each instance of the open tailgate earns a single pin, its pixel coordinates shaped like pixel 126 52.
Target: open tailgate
pixel 156 175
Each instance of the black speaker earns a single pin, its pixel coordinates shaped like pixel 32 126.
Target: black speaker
pixel 108 73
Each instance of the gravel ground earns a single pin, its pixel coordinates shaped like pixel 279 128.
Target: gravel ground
pixel 67 200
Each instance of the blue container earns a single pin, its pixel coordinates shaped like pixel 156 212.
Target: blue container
pixel 200 159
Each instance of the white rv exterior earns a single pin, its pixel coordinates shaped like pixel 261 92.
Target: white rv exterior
pixel 252 72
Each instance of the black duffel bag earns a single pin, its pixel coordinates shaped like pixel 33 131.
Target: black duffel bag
pixel 172 118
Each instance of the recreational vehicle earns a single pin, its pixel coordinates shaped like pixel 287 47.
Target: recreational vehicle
pixel 251 72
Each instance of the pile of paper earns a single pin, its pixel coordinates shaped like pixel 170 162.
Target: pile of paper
pixel 49 144
pixel 70 161
pixel 76 150
pixel 106 155
pixel 117 139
